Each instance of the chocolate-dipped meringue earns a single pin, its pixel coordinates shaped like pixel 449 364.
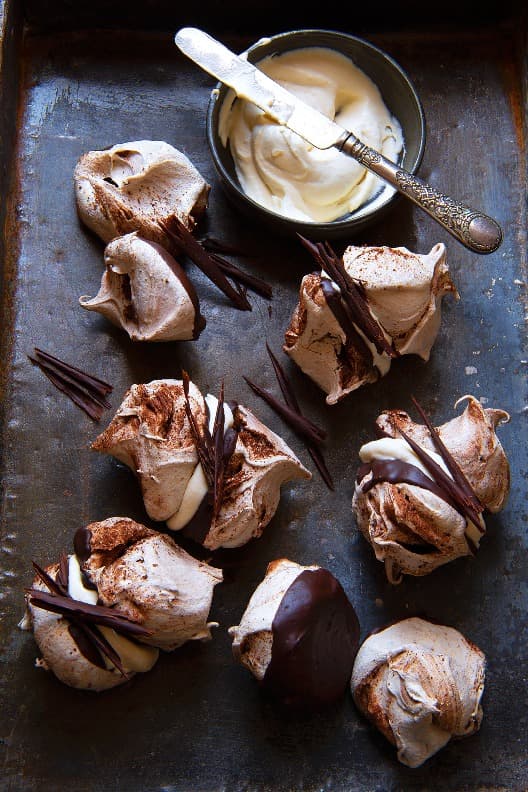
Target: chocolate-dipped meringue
pixel 138 186
pixel 400 290
pixel 125 570
pixel 298 635
pixel 152 434
pixel 416 518
pixel 420 684
pixel 146 292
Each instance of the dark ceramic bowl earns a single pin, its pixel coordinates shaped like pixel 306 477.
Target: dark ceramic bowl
pixel 398 94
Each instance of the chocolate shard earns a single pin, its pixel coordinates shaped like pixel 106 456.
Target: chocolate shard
pixel 352 293
pixel 291 401
pixel 394 471
pixel 445 482
pixel 185 241
pixel 95 383
pixel 92 614
pixel 450 462
pixel 214 450
pixel 86 391
pixel 298 422
pixel 244 278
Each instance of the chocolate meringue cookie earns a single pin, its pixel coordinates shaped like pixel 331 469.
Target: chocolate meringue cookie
pixel 151 434
pixel 412 525
pixel 298 635
pixel 135 187
pixel 420 684
pixel 138 574
pixel 403 292
pixel 146 292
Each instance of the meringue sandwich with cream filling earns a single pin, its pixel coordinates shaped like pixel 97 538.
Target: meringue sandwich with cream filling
pixel 205 466
pixel 138 186
pixel 145 291
pixel 101 615
pixel 421 491
pixel 399 291
pixel 298 635
pixel 420 684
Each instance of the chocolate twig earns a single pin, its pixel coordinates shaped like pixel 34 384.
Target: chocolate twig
pixel 445 482
pixel 291 400
pixel 93 614
pixel 86 391
pixel 83 617
pixel 214 450
pixel 185 241
pixel 451 464
pixel 353 295
pixel 299 423
pixel 96 384
pixel 251 281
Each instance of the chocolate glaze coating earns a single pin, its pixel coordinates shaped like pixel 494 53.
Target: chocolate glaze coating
pixel 315 640
pixel 82 544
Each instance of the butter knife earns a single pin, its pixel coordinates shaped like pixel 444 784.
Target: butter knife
pixel 475 230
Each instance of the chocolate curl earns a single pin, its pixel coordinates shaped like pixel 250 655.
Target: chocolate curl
pixel 458 474
pixel 214 451
pixel 91 643
pixel 86 391
pixel 446 483
pixel 199 440
pixel 216 246
pixel 299 423
pixel 291 401
pixel 353 295
pixel 185 241
pixel 93 614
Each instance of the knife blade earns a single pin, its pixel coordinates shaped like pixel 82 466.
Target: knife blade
pixel 250 83
pixel 472 228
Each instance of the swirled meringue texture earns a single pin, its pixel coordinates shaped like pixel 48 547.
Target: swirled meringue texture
pixel 146 292
pixel 298 635
pixel 420 684
pixel 412 530
pixel 146 577
pixel 135 187
pixel 404 293
pixel 151 434
pixel 285 174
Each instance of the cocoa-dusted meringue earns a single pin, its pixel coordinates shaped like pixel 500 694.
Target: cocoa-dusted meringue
pixel 128 571
pixel 152 434
pixel 298 635
pixel 138 186
pixel 401 290
pixel 420 684
pixel 414 521
pixel 146 292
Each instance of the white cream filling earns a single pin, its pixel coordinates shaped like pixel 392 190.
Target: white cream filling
pixel 196 489
pixel 134 657
pixel 76 588
pixel 398 448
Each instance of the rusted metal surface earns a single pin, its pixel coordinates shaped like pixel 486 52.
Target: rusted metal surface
pixel 198 721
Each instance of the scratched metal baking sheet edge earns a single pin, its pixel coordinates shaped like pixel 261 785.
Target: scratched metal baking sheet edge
pixel 197 721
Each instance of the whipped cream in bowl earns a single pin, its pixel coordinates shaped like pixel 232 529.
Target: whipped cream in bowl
pixel 271 172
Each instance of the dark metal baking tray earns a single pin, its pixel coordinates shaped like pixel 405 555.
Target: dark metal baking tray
pixel 198 721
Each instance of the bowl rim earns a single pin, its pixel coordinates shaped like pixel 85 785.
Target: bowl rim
pixel 357 217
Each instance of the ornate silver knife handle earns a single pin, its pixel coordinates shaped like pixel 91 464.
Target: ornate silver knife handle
pixel 474 229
